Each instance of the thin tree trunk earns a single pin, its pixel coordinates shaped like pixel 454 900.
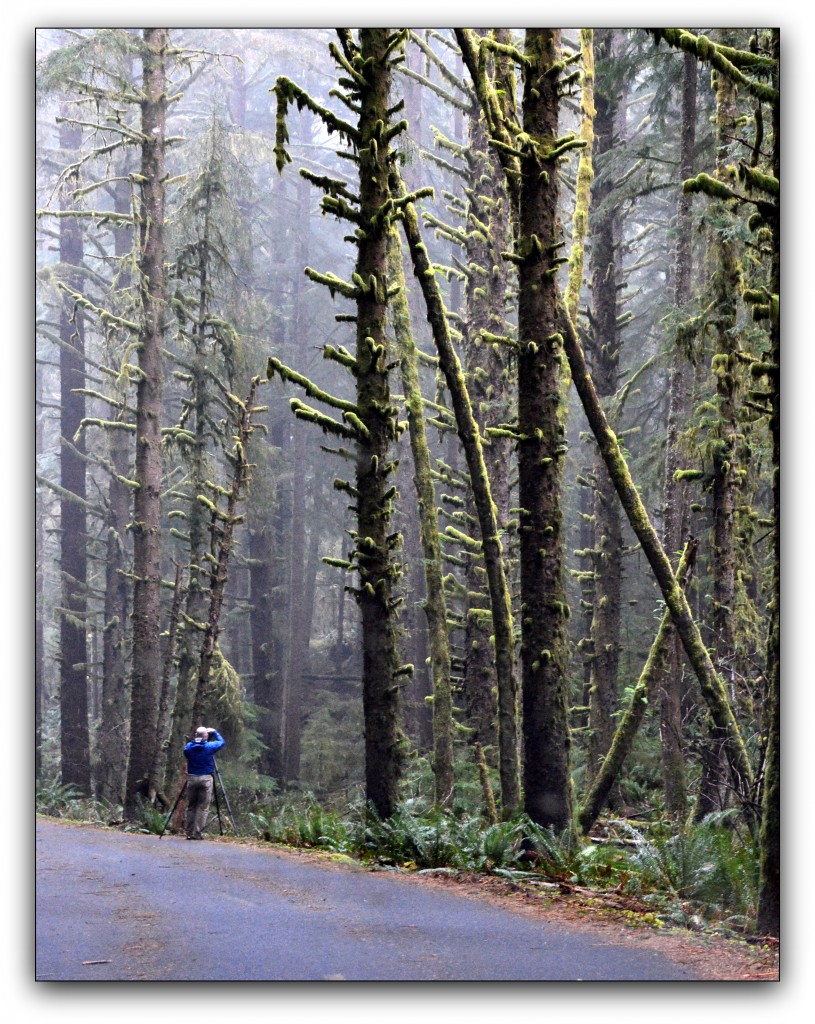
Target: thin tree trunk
pixel 608 541
pixel 73 625
pixel 223 526
pixel 769 905
pixel 114 732
pixel 675 498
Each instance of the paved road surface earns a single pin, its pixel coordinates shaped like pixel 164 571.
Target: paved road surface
pixel 166 909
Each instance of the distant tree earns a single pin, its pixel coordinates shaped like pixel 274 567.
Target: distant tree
pixel 74 731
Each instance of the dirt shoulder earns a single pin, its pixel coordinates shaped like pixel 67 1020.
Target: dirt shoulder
pixel 616 918
pixel 623 920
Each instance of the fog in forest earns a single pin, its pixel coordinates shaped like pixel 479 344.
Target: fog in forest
pixel 353 513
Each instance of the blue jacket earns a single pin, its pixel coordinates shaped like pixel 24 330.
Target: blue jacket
pixel 200 755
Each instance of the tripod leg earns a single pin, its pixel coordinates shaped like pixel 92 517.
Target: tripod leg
pixel 172 809
pixel 226 800
pixel 217 806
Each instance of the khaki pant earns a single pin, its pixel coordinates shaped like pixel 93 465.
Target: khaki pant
pixel 199 797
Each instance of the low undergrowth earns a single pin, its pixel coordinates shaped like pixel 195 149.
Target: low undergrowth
pixel 694 875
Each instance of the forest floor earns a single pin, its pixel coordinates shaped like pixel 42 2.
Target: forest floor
pixel 628 920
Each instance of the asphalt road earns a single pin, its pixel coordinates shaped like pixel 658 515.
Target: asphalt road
pixel 113 906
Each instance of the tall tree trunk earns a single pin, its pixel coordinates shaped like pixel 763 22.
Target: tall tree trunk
pixel 606 275
pixel 769 905
pixel 488 382
pixel 73 626
pixel 223 529
pixel 725 288
pixel 266 689
pixel 39 594
pixel 544 653
pixel 675 498
pixel 147 660
pixel 298 635
pixel 380 682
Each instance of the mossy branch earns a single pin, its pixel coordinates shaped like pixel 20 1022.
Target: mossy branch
pixel 311 389
pixel 724 59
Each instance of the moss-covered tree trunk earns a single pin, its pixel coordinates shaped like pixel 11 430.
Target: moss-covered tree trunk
pixel 724 275
pixel 541 449
pixel 675 497
pixel 146 615
pixel 223 524
pixel 606 282
pixel 195 609
pixel 380 686
pixel 435 604
pixel 75 765
pixel 298 628
pixel 470 437
pixel 266 688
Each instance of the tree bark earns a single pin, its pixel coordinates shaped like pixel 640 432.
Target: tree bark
pixel 147 660
pixel 606 280
pixel 544 653
pixel 114 727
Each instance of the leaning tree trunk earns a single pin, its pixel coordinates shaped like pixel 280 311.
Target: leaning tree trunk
pixel 469 434
pixel 73 625
pixel 623 737
pixel 435 603
pixel 711 685
pixel 147 659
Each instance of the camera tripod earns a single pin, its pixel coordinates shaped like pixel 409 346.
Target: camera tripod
pixel 215 780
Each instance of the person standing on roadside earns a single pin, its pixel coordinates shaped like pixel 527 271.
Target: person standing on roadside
pixel 200 755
